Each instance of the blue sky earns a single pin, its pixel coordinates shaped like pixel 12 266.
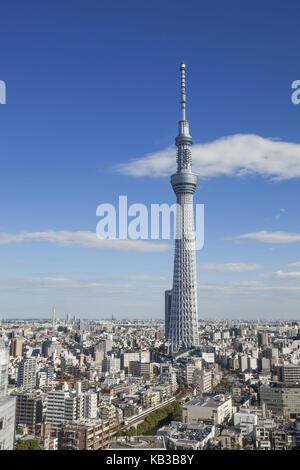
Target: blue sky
pixel 92 107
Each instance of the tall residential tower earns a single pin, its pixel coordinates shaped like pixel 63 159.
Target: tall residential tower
pixel 182 324
pixel 7 403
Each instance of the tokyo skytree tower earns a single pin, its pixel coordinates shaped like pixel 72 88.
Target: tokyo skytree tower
pixel 181 301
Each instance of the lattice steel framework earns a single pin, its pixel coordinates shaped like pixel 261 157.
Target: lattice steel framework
pixel 183 321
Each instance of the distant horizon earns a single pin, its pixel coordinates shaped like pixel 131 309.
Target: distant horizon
pixel 160 319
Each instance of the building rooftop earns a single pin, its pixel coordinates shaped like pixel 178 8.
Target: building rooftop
pixel 208 401
pixel 137 443
pixel 282 385
pixel 187 432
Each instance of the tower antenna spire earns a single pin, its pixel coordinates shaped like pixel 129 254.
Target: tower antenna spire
pixel 183 94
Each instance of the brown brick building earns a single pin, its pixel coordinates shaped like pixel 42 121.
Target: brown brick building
pixel 84 435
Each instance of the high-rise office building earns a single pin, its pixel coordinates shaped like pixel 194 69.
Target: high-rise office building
pixel 7 403
pixel 290 373
pixel 52 347
pixel 27 373
pixel 263 339
pixel 183 325
pixel 141 369
pixel 4 360
pixel 111 364
pixel 281 398
pixel 70 405
pixel 16 347
pixel 29 409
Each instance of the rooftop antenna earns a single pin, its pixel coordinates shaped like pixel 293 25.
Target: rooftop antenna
pixel 183 94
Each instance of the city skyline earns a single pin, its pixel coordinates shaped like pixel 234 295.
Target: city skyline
pixel 75 134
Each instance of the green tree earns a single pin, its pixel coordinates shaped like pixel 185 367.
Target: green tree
pixel 30 444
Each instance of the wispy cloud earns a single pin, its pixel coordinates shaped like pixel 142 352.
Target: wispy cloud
pixel 249 288
pixel 236 155
pixel 282 210
pixel 283 275
pixel 233 267
pixel 83 239
pixel 270 237
pixel 37 285
pixel 292 265
pixel 66 283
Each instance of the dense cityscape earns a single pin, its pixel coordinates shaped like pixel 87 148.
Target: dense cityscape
pixel 129 320
pixel 90 385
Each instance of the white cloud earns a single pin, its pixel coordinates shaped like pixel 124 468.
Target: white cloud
pixel 50 280
pixel 236 155
pixel 233 267
pixel 270 237
pixel 83 239
pixel 251 287
pixel 56 284
pixel 282 275
pixel 292 265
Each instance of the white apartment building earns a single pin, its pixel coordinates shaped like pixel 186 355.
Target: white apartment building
pixel 262 437
pixel 243 363
pixel 7 403
pixel 27 374
pixel 190 369
pixel 7 422
pixel 246 420
pixel 168 375
pixel 252 363
pixel 151 398
pixel 41 379
pixel 70 406
pixel 215 409
pixel 202 380
pixel 208 356
pixel 111 364
pixel 139 356
pixel 90 410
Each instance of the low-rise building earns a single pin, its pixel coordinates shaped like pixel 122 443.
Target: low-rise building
pixel 216 410
pixel 151 398
pixel 262 437
pixel 245 419
pixel 180 436
pixel 231 439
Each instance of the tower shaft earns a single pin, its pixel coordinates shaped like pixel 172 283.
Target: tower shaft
pixel 182 330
